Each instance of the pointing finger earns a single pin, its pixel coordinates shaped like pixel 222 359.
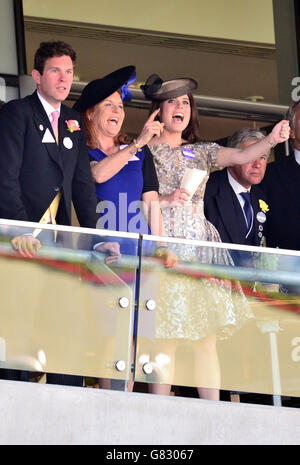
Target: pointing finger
pixel 153 115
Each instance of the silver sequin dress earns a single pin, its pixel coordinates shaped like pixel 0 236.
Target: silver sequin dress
pixel 190 307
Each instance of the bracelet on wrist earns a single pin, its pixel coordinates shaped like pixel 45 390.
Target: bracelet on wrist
pixel 136 148
pixel 271 143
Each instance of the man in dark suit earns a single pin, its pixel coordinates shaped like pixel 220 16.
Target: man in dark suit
pixel 44 160
pixel 225 205
pixel 234 203
pixel 282 186
pixel 34 167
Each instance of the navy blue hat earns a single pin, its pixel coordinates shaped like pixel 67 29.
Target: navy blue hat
pixel 99 89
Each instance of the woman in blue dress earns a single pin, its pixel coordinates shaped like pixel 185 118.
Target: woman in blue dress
pixel 124 172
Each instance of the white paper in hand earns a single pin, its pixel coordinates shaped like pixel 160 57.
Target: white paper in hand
pixel 192 179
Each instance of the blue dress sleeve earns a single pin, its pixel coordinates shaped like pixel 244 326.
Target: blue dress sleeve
pixel 96 155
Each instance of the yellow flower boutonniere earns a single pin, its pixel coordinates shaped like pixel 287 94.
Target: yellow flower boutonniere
pixel 72 125
pixel 263 206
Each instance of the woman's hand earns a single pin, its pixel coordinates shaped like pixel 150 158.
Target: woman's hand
pixel 151 128
pixel 228 156
pixel 280 132
pixel 176 199
pixel 169 257
pixel 105 169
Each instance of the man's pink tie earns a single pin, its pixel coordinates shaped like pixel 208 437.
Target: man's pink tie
pixel 55 116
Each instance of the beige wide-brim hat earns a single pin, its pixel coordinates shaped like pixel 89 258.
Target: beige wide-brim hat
pixel 157 89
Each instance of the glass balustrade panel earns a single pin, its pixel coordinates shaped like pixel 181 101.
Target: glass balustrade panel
pixel 68 307
pixel 224 317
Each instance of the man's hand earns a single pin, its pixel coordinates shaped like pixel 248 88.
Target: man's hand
pixel 26 245
pixel 112 249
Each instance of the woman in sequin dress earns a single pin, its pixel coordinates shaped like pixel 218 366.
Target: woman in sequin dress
pixel 197 310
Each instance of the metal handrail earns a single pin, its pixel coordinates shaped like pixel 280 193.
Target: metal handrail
pixel 146 237
pixel 211 106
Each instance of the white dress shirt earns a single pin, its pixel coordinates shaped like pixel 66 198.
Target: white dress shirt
pixel 47 107
pixel 297 156
pixel 238 189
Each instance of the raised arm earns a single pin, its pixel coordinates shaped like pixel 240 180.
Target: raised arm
pixel 111 165
pixel 230 157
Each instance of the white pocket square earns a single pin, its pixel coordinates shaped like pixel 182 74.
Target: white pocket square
pixel 48 138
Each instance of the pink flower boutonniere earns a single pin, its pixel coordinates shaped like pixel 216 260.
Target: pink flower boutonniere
pixel 73 125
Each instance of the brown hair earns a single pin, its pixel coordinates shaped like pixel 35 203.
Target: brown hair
pixel 190 133
pixel 92 133
pixel 50 50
